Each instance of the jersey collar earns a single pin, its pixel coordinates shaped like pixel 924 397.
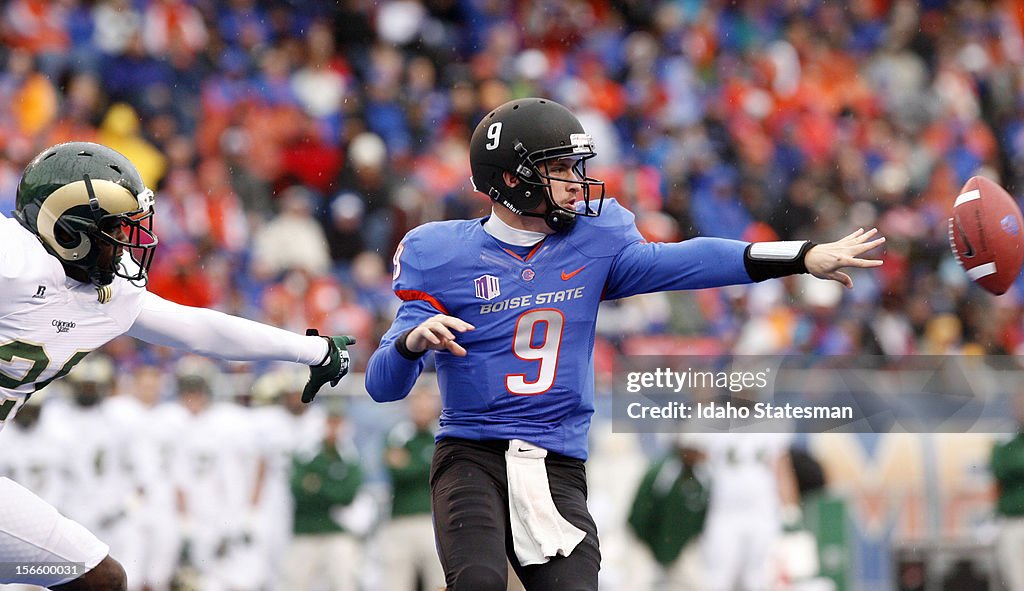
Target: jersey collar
pixel 509 235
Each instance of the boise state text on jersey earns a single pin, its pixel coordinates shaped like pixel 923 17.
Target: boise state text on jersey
pixel 529 370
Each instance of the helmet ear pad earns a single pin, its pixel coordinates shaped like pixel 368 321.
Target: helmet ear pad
pixel 531 195
pixel 527 195
pixel 64 237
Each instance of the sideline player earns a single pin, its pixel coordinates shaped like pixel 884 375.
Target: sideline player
pixel 68 289
pixel 511 311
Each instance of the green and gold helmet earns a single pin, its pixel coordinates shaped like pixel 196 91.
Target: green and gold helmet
pixel 76 195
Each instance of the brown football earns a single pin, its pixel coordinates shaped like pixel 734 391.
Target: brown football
pixel 985 234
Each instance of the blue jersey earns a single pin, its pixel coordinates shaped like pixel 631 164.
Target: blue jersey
pixel 528 373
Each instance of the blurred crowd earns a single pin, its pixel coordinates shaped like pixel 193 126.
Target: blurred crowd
pixel 292 144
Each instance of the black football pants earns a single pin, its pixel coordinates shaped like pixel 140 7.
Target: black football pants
pixel 471 521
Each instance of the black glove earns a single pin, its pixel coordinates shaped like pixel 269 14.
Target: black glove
pixel 332 368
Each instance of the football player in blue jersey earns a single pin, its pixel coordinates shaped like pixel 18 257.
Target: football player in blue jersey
pixel 509 304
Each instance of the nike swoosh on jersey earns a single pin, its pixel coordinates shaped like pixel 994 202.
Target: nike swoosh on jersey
pixel 568 276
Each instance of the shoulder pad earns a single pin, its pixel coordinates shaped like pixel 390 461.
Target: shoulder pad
pixel 22 255
pixel 427 248
pixel 607 234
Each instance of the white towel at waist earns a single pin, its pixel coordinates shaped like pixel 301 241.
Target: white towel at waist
pixel 538 530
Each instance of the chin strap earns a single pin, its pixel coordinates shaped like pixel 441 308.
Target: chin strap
pixel 100 278
pixel 94 202
pixel 559 220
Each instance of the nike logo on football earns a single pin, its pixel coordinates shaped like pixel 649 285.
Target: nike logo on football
pixel 968 249
pixel 568 276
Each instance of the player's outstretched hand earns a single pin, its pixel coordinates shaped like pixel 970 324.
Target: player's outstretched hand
pixel 334 367
pixel 436 334
pixel 824 260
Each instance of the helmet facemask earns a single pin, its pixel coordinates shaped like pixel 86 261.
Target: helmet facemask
pixel 531 171
pixel 139 240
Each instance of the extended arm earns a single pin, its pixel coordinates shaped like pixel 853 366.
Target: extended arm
pixel 215 334
pixel 222 336
pixel 713 262
pixel 645 267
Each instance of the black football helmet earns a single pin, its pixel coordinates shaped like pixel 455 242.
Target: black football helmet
pixel 517 137
pixel 74 195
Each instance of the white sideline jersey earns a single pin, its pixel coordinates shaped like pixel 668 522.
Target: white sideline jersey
pixel 49 322
pixel 742 470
